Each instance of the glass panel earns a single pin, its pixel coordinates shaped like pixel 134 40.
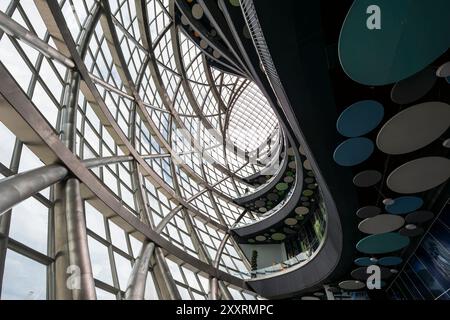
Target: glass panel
pixel 94 220
pixel 123 267
pixel 118 236
pixel 104 295
pixel 24 279
pixel 100 261
pixel 29 224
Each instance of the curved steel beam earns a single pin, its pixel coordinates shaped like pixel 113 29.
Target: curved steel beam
pixel 105 201
pixel 59 29
pixel 185 10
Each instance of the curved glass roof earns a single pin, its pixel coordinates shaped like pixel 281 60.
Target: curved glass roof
pixel 252 120
pixel 143 93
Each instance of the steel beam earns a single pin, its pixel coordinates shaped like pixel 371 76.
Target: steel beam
pixel 100 162
pixel 15 189
pixel 5 220
pixel 166 275
pixel 136 283
pixel 16 30
pixel 83 287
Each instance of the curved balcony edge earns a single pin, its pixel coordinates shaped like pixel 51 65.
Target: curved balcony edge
pixel 314 271
pixel 265 188
pixel 280 214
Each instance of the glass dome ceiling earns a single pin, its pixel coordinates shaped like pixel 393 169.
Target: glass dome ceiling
pixel 144 102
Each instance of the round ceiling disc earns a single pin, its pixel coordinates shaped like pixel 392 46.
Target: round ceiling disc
pixel 278 236
pixel 404 205
pixel 184 20
pixel 272 196
pixel 260 238
pixel 364 262
pixel 415 87
pixel 381 223
pixel 282 186
pixel 368 212
pixel 411 233
pixel 414 128
pixel 360 118
pixel 290 221
pixel 288 179
pixel 410 227
pixel 301 210
pixel 307 165
pixel 367 178
pixel 419 175
pixel 197 11
pixel 306 204
pixel 309 180
pixel 382 243
pixel 235 3
pixel 310 298
pixel 353 151
pixel 420 216
pixel 362 275
pixel 203 44
pixel 352 285
pixel 319 294
pixel 390 261
pixel 260 203
pixel 301 150
pixel 408 40
pixel 444 70
pixel 446 143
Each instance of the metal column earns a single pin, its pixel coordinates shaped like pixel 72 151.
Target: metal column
pixel 136 283
pixel 80 262
pixel 171 287
pixel 5 220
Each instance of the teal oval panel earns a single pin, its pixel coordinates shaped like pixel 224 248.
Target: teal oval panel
pixel 353 151
pixel 404 205
pixel 364 262
pixel 390 261
pixel 382 243
pixel 360 118
pixel 412 35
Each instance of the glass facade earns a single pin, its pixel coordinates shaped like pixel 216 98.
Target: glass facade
pixel 426 276
pixel 175 150
pixel 120 80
